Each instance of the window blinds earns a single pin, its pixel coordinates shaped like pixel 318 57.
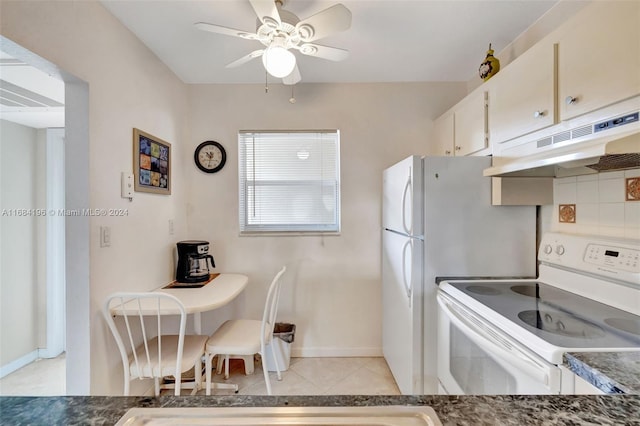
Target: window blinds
pixel 289 181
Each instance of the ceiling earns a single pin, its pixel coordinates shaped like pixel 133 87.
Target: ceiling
pixel 389 40
pixel 28 96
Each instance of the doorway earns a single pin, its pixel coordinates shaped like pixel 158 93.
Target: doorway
pixel 57 248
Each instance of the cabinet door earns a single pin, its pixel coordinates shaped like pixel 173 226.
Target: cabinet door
pixel 522 97
pixel 442 143
pixel 599 57
pixel 470 124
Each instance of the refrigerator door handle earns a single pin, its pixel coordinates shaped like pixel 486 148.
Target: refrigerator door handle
pixel 407 188
pixel 407 283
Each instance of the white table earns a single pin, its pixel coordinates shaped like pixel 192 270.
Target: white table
pixel 217 293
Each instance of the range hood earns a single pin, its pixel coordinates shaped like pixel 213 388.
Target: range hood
pixel 604 140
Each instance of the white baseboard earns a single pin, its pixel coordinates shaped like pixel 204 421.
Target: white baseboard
pixel 335 352
pixel 46 353
pixel 18 363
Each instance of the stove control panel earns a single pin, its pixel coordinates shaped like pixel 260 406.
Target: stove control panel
pixel 608 257
pixel 614 257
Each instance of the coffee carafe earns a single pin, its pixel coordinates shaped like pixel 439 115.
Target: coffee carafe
pixel 193 261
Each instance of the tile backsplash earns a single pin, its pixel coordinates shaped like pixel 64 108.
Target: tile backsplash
pixel 602 204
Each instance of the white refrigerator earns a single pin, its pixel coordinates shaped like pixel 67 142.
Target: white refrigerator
pixel 438 221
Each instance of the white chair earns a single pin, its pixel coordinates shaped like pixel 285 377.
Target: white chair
pixel 246 337
pixel 158 356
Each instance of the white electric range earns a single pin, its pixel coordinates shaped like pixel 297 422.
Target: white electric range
pixel 508 336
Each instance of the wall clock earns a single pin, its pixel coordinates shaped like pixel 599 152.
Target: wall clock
pixel 210 156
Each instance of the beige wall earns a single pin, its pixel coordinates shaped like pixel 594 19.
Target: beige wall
pixel 41 236
pixel 332 286
pixel 23 274
pixel 19 319
pixel 129 87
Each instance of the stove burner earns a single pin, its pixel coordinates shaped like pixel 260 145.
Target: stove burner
pixel 624 324
pixel 526 290
pixel 561 323
pixel 480 289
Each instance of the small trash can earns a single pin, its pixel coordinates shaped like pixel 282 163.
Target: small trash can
pixel 283 335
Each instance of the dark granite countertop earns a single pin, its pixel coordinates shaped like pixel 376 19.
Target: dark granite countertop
pixel 611 372
pixel 452 410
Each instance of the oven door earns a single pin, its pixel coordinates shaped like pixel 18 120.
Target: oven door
pixel 474 357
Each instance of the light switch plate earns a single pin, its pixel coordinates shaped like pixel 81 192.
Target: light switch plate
pixel 105 236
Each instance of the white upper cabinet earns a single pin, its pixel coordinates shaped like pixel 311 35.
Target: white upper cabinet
pixel 463 129
pixel 470 124
pixel 599 57
pixel 522 97
pixel 591 61
pixel 443 131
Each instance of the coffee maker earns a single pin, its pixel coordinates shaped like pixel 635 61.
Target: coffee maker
pixel 193 261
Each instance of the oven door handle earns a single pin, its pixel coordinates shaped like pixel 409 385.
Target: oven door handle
pixel 482 337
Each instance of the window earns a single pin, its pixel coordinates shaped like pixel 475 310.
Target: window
pixel 289 181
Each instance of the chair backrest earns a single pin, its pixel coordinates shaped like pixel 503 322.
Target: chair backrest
pixel 271 309
pixel 134 307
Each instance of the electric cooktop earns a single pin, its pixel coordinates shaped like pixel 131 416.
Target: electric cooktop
pixel 559 317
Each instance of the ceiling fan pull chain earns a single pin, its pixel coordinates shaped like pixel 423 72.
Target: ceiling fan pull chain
pixel 292 99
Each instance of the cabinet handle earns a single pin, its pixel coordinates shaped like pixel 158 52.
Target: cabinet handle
pixel 458 148
pixel 570 100
pixel 538 114
pixel 447 152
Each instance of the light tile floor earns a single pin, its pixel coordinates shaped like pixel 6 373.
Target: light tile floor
pixel 305 376
pixel 44 377
pixel 316 376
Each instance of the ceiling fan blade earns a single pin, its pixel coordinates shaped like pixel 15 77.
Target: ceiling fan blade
pixel 267 12
pixel 212 28
pixel 334 19
pixel 245 59
pixel 324 52
pixel 292 78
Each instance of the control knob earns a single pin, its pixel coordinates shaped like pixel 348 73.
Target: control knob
pixel 548 249
pixel 560 250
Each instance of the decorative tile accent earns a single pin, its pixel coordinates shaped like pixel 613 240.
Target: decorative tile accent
pixel 567 213
pixel 632 189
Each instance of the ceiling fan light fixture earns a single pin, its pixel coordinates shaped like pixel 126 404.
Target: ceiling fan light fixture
pixel 281 31
pixel 278 61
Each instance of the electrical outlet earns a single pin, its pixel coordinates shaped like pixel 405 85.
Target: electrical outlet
pixel 105 236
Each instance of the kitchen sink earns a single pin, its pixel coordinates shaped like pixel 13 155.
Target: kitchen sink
pixel 290 416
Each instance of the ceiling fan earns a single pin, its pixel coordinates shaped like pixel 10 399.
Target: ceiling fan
pixel 280 31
